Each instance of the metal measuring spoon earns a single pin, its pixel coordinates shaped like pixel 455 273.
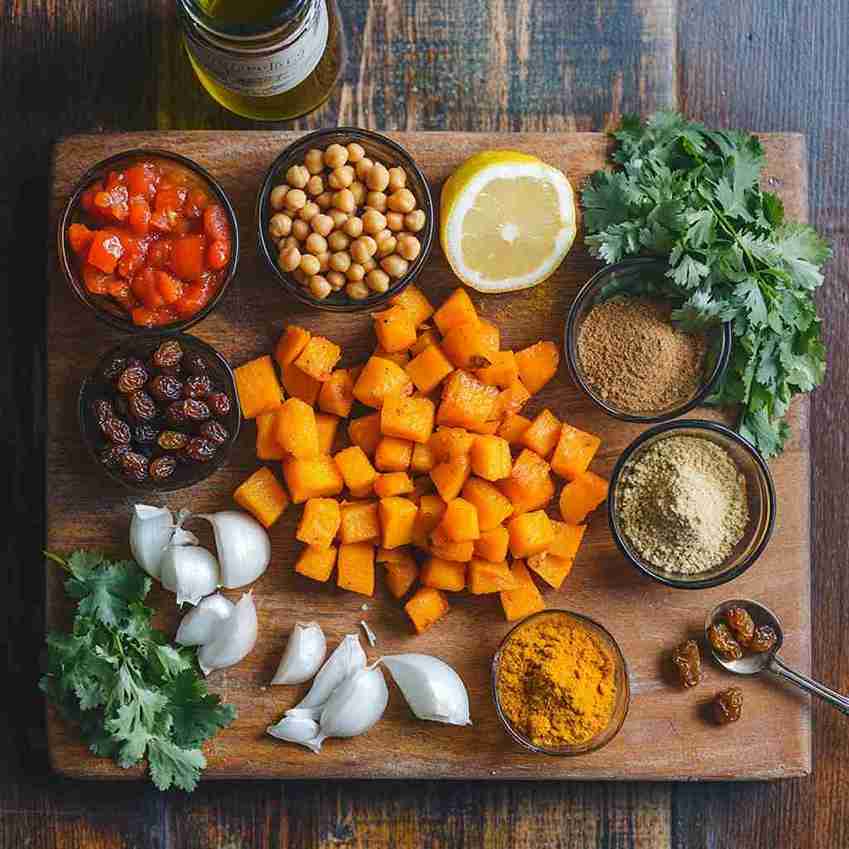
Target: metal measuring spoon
pixel 753 663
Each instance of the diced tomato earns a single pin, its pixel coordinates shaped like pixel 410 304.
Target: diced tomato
pixel 170 198
pixel 194 298
pixel 144 317
pixel 114 179
pixel 96 281
pixel 139 218
pixel 142 282
pixel 105 251
pixel 218 254
pixel 159 253
pixel 168 287
pixel 141 180
pixel 196 203
pixel 160 221
pixel 79 237
pixel 87 197
pixel 187 257
pixel 215 222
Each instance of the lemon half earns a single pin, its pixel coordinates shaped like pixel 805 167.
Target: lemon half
pixel 507 220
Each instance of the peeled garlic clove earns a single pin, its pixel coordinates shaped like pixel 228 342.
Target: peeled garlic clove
pixel 151 530
pixel 304 654
pixel 244 549
pixel 200 625
pixel 295 729
pixel 235 639
pixel 189 571
pixel 347 658
pixel 432 688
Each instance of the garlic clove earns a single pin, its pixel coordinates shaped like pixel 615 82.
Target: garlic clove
pixel 151 530
pixel 200 625
pixel 189 571
pixel 296 730
pixel 304 654
pixel 432 688
pixel 346 658
pixel 355 705
pixel 244 549
pixel 235 639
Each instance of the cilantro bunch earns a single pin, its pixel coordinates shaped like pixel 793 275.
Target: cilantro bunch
pixel 692 195
pixel 132 694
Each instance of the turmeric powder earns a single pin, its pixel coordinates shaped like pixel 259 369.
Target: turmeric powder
pixel 557 681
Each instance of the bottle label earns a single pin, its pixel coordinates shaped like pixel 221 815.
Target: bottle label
pixel 273 72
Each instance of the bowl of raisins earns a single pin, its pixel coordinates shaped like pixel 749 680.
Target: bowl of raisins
pixel 161 413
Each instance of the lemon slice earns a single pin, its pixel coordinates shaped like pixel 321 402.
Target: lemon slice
pixel 508 220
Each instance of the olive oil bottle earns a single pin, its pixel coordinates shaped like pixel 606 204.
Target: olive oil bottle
pixel 269 60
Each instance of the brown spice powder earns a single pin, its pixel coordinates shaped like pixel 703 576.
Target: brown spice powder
pixel 635 359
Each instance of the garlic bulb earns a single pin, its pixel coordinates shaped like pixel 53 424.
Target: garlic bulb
pixel 244 549
pixel 304 654
pixel 189 571
pixel 235 639
pixel 294 729
pixel 432 688
pixel 347 658
pixel 200 625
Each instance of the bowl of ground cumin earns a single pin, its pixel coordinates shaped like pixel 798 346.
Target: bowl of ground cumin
pixel 629 353
pixel 692 504
pixel 560 684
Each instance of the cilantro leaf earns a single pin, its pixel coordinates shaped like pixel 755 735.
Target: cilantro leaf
pixel 104 591
pixel 172 765
pixel 197 714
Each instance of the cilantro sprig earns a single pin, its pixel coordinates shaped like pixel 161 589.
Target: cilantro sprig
pixel 132 694
pixel 693 195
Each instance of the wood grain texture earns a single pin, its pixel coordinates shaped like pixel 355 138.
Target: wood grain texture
pixel 665 725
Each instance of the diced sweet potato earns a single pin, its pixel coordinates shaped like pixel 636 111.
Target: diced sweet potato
pixel 543 434
pixel 537 365
pixel 574 452
pixel 316 563
pixel 393 454
pixel 581 496
pixel 290 345
pixel 449 476
pixel 492 544
pixel 512 399
pixel 502 371
pixel 400 358
pixel 429 368
pixel 356 469
pixel 431 510
pixel 443 574
pixel 401 570
pixel 316 477
pixel 441 546
pixel 472 345
pixel 319 522
pixel 407 418
pixel 425 339
pixel 492 505
pixel 258 388
pixel 355 567
pixel 422 460
pixel 485 577
pixel 460 521
pixel 296 429
pixel 415 303
pixel 525 599
pixel 425 607
pixel 466 402
pixel 529 486
pixel 360 521
pixel 337 393
pixel 299 384
pixel 393 483
pixel 267 446
pixel 365 432
pixel 530 533
pixel 378 379
pixel 327 426
pixel 395 329
pixel 319 358
pixel 449 442
pixel 490 456
pixel 457 309
pixel 513 427
pixel 397 516
pixel 262 496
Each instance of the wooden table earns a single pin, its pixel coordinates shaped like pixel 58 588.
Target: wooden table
pixel 423 64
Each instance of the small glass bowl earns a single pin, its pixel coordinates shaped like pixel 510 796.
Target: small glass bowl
pixel 96 386
pixel 623 690
pixel 760 492
pixel 377 147
pixel 621 278
pixel 103 306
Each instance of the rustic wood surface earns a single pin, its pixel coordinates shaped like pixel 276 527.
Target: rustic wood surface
pixel 665 726
pixel 763 64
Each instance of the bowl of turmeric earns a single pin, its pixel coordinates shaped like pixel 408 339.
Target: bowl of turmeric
pixel 560 684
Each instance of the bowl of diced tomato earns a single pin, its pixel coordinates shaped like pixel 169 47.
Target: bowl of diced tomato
pixel 149 241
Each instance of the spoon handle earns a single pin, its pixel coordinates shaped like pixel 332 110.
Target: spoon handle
pixel 837 700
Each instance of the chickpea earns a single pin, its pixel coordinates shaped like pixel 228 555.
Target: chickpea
pixel 335 156
pixel 316 243
pixel 373 221
pixel 358 190
pixel 394 266
pixel 376 201
pixel 377 281
pixel 357 291
pixel 323 261
pixel 309 265
pixel 289 242
pixel 295 199
pixel 378 177
pixel 402 200
pixel 386 246
pixel 338 241
pixel 395 221
pixel 315 185
pixel 343 200
pixel 353 227
pixel 336 280
pixel 355 152
pixel 369 265
pixel 409 247
pixel 289 259
pixel 314 160
pixel 297 176
pixel 415 221
pixel 363 249
pixel 319 287
pixel 341 178
pixel 382 235
pixel 309 211
pixel 300 229
pixel 279 226
pixel 338 217
pixel 322 224
pixel 277 196
pixel 340 261
pixel 363 167
pixel 355 273
pixel 325 200
pixel 397 178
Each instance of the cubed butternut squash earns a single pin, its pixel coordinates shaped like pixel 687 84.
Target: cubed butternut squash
pixel 296 429
pixel 262 496
pixel 581 496
pixel 449 476
pixel 542 435
pixel 327 426
pixel 490 456
pixel 426 607
pixel 483 577
pixel 319 358
pixel 511 399
pixel 336 395
pixel 457 309
pixel 316 563
pixel 537 365
pixel 355 568
pixel 492 545
pixel 525 599
pixel 395 329
pixel 431 510
pixel 299 384
pixel 267 446
pixel 567 539
pixel 501 372
pixel 393 454
pixel 397 517
pixel 529 486
pixel 290 345
pixel 258 388
pixel 425 339
pixel 441 546
pixel 422 460
pixel 320 522
pixel 460 521
pixel 449 442
pixel 552 569
pixel 380 378
pixel 466 402
pixel 443 574
pixel 530 533
pixel 400 358
pixel 512 427
pixel 413 300
pixel 400 570
pixel 393 483
pixel 365 432
pixel 356 469
pixel 492 505
pixel 472 345
pixel 574 452
pixel 360 521
pixel 407 418
pixel 316 477
pixel 429 368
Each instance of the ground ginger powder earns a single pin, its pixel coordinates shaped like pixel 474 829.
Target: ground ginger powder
pixel 557 682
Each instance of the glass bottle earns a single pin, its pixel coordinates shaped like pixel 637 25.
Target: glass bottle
pixel 269 60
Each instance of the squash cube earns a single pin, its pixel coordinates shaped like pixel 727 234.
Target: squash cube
pixel 355 568
pixel 501 372
pixel 380 378
pixel 316 477
pixel 429 368
pixel 567 539
pixel 460 521
pixel 422 460
pixel 552 569
pixel 491 458
pixel 513 427
pixel 316 563
pixel 356 469
pixel 485 577
pixel 529 486
pixel 267 446
pixel 319 522
pixel 492 545
pixel 407 418
pixel 525 599
pixel 257 387
pixel 299 384
pixel 290 345
pixel 471 346
pixel 581 496
pixel 327 426
pixel 543 433
pixel 401 570
pixel 466 402
pixel 443 574
pixel 512 399
pixel 449 442
pixel 457 309
pixel 425 339
pixel 449 476
pixel 431 510
pixel 425 607
pixel 393 483
pixel 575 450
pixel 393 454
pixel 397 517
pixel 365 432
pixel 336 395
pixel 395 329
pixel 262 496
pixel 415 303
pixel 400 358
pixel 537 365
pixel 530 533
pixel 446 549
pixel 296 429
pixel 492 505
pixel 360 522
pixel 319 358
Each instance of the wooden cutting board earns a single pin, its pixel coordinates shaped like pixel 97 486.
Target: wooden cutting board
pixel 665 735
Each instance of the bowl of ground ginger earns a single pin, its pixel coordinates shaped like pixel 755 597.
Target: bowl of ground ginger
pixel 631 350
pixel 560 684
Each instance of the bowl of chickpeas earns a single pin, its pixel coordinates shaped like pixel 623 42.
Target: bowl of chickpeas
pixel 346 219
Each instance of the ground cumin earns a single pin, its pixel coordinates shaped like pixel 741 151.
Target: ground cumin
pixel 634 357
pixel 556 681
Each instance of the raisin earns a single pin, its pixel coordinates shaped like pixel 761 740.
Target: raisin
pixel 215 432
pixel 688 662
pixel 162 467
pixel 116 431
pixel 168 354
pixel 219 403
pixel 741 623
pixel 102 410
pixel 187 410
pixel 728 705
pixel 111 455
pixel 145 433
pixel 172 440
pixel 723 642
pixel 197 386
pixel 142 406
pixel 112 370
pixel 132 378
pixel 164 387
pixel 200 450
pixel 763 639
pixel 195 364
pixel 134 466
